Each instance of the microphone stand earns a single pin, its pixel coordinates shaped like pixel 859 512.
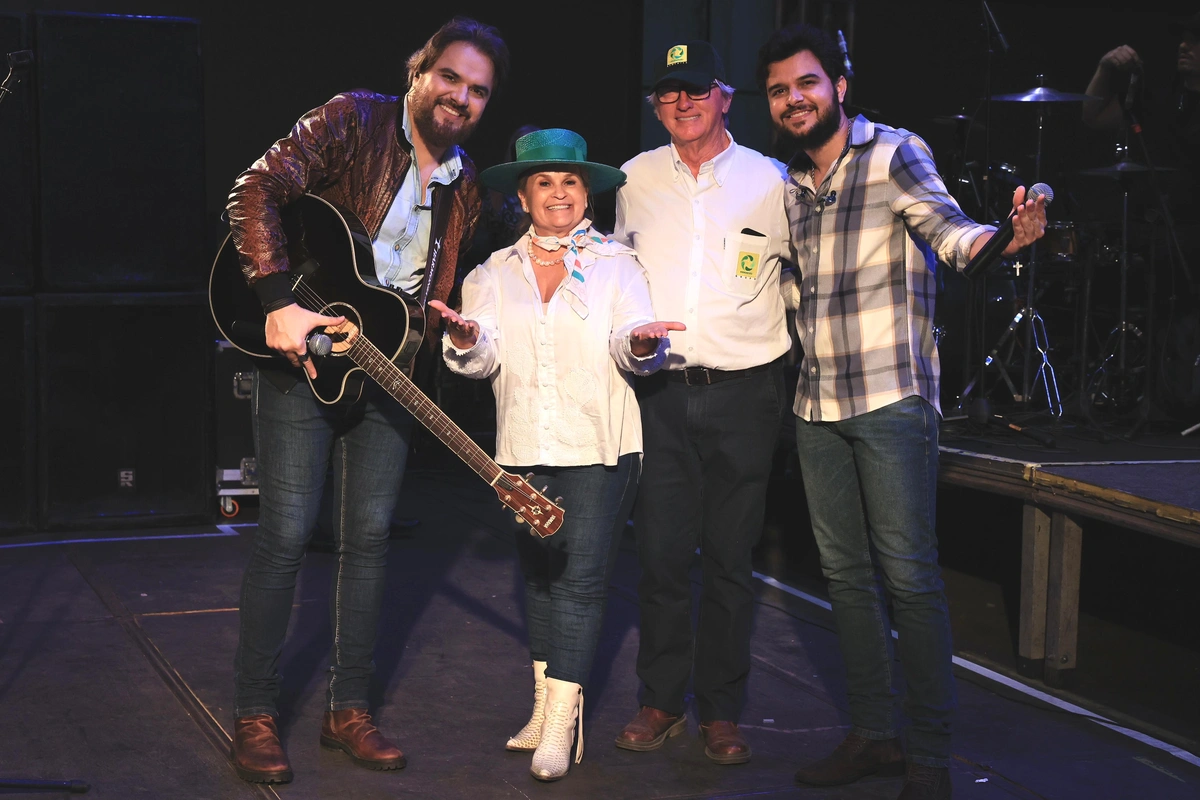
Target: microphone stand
pixel 977 291
pixel 981 414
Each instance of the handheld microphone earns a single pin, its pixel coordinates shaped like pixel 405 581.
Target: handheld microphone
pixel 319 344
pixel 1004 234
pixel 845 55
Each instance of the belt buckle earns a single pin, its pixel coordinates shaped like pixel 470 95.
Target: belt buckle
pixel 688 372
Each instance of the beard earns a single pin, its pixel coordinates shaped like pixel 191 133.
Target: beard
pixel 439 134
pixel 827 124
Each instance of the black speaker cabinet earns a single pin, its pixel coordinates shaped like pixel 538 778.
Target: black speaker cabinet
pixel 121 149
pixel 125 409
pixel 237 464
pixel 18 486
pixel 17 168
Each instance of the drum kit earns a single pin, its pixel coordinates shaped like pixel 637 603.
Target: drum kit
pixel 1057 272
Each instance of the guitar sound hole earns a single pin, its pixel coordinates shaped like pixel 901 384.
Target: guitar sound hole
pixel 345 334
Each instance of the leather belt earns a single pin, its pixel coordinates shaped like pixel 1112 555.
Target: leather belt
pixel 703 376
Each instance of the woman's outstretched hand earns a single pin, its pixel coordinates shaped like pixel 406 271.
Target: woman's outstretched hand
pixel 643 340
pixel 464 333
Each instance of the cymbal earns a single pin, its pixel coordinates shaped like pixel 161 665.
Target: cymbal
pixel 1043 94
pixel 958 120
pixel 1123 168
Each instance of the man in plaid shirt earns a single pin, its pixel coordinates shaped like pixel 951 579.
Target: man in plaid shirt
pixel 870 221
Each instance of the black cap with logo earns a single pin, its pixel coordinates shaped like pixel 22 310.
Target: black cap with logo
pixel 695 63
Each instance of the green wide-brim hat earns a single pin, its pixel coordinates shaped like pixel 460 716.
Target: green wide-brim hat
pixel 544 150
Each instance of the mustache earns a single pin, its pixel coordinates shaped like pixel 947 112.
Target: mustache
pixel 459 108
pixel 799 107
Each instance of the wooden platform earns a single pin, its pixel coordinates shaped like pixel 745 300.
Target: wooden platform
pixel 1157 495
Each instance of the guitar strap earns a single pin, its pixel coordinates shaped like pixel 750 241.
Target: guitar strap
pixel 443 202
pixel 419 368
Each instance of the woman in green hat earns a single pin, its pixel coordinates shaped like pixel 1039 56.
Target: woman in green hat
pixel 559 322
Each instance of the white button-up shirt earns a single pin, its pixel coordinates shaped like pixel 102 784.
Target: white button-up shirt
pixel 711 246
pixel 561 374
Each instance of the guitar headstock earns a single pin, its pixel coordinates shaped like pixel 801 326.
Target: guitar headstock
pixel 532 508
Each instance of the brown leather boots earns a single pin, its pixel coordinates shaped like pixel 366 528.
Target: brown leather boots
pixel 259 757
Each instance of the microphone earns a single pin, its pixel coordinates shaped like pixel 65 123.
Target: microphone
pixel 845 55
pixel 20 59
pixel 1004 234
pixel 319 344
pixel 1131 92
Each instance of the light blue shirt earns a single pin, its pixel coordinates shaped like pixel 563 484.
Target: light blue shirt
pixel 402 246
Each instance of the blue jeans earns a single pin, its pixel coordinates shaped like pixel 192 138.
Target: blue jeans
pixel 295 436
pixel 871 485
pixel 567 574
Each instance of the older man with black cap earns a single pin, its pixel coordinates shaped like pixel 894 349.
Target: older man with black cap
pixel 706 218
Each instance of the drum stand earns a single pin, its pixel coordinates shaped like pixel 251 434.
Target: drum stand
pixel 1036 335
pixel 1035 329
pixel 1110 382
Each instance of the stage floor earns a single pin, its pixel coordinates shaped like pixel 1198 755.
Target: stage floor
pixel 116 652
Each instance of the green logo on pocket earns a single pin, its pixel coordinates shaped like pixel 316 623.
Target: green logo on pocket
pixel 677 55
pixel 747 265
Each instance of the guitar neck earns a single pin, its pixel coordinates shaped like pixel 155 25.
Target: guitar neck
pixel 398 385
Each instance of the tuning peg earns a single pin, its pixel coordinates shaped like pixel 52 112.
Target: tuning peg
pixel 534 532
pixel 520 520
pixel 545 488
pixel 558 501
pixel 528 476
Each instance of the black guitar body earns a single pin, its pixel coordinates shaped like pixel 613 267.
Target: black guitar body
pixel 333 273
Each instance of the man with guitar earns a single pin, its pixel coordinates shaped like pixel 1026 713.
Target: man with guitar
pixel 395 164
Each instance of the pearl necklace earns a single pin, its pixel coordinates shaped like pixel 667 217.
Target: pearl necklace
pixel 542 262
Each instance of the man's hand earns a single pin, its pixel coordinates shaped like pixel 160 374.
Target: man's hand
pixel 1121 60
pixel 287 332
pixel 1028 221
pixel 464 333
pixel 643 340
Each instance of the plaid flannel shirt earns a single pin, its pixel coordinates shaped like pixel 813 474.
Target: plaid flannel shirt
pixel 867 243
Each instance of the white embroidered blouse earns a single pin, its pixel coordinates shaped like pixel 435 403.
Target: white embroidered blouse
pixel 561 374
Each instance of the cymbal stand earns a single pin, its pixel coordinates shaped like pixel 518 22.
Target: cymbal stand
pixel 1035 332
pixel 1105 379
pixel 1045 372
pixel 976 294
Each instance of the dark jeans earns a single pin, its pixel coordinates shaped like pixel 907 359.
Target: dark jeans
pixel 871 483
pixel 704 484
pixel 295 436
pixel 567 574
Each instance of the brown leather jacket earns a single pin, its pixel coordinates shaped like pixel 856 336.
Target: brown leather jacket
pixel 352 152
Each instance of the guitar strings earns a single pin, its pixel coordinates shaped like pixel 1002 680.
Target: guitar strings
pixel 315 303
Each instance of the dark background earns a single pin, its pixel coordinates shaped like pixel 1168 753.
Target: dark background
pixel 120 147
pixel 579 66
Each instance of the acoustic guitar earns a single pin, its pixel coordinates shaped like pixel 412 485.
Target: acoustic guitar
pixel 333 274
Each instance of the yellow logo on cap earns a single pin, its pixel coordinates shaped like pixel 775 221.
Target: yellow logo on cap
pixel 677 55
pixel 747 265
